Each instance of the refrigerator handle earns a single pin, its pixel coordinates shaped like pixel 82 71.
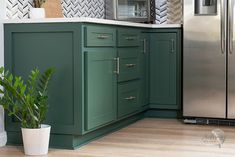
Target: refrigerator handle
pixel 230 25
pixel 223 25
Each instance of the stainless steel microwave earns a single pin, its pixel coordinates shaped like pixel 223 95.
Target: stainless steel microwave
pixel 130 10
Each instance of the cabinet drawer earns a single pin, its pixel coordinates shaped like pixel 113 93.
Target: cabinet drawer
pixel 128 98
pixel 128 38
pixel 129 64
pixel 100 36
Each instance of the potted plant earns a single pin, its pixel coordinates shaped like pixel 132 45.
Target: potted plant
pixel 28 102
pixel 37 11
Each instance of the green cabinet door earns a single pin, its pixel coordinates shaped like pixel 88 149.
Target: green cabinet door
pixel 100 87
pixel 163 68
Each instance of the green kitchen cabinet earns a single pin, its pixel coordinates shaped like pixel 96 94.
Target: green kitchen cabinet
pixel 165 69
pixel 49 45
pixel 100 87
pixel 106 76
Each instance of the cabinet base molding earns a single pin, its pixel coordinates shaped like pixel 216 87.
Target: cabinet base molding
pixel 164 106
pixel 163 113
pixel 75 141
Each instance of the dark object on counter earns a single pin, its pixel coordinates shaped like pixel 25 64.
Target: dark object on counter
pixel 130 10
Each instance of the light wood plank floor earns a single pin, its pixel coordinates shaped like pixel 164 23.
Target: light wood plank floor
pixel 148 138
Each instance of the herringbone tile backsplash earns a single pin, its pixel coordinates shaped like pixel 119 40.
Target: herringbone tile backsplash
pixel 167 11
pixel 83 8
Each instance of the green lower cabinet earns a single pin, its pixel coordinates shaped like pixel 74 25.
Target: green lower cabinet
pixel 128 98
pixel 106 76
pixel 165 67
pixel 43 46
pixel 100 88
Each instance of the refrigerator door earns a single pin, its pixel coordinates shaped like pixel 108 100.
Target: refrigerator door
pixel 204 75
pixel 231 61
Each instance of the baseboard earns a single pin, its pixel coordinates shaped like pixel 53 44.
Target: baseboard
pixel 163 113
pixel 75 141
pixel 3 138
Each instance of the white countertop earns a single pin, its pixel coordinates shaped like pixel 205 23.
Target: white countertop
pixel 90 20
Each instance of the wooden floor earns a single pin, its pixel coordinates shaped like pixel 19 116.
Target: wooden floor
pixel 148 138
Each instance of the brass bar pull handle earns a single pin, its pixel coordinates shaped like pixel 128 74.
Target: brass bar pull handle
pixel 102 36
pixel 130 38
pixel 117 65
pixel 144 46
pixel 130 98
pixel 130 65
pixel 172 45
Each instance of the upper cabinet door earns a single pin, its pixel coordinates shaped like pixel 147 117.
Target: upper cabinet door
pixel 100 87
pixel 163 67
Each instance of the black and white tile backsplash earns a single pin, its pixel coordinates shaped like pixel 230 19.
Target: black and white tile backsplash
pixel 167 11
pixel 71 8
pixel 83 8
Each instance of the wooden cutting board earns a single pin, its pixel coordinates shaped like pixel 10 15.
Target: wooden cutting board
pixel 53 8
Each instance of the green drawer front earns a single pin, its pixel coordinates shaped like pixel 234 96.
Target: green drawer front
pixel 129 64
pixel 100 36
pixel 128 98
pixel 128 38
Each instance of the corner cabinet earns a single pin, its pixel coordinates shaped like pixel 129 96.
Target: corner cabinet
pixel 106 76
pixel 165 69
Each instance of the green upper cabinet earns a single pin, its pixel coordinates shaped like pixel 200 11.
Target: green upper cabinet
pixel 43 46
pixel 165 69
pixel 100 87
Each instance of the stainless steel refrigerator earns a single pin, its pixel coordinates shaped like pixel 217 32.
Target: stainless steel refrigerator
pixel 209 59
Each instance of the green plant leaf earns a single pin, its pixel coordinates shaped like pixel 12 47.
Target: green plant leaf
pixel 27 102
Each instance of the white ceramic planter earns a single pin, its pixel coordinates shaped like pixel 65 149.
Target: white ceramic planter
pixel 36 141
pixel 3 138
pixel 37 13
